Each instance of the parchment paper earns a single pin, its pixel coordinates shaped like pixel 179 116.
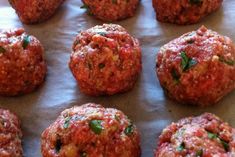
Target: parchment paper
pixel 146 104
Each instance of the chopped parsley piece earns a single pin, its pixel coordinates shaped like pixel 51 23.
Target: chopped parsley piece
pixel 185 59
pixel 214 136
pixel 187 62
pixel 101 65
pixel 2 50
pixel 199 153
pixel 196 1
pixel 26 41
pixel 181 147
pixel 225 144
pixel 117 118
pixel 175 75
pixel 66 122
pixel 101 33
pixel 58 145
pixel 129 130
pixel 229 62
pixel 96 126
pixel 211 135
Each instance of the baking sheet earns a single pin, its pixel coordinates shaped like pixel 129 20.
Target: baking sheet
pixel 146 104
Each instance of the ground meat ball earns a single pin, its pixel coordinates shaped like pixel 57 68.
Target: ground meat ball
pixel 197 68
pixel 10 135
pixel 184 11
pixel 105 60
pixel 22 67
pixel 111 10
pixel 91 130
pixel 203 136
pixel 35 11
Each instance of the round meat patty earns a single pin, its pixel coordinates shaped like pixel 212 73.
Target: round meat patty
pixel 197 68
pixel 111 10
pixel 10 135
pixel 105 60
pixel 184 11
pixel 203 136
pixel 22 67
pixel 35 11
pixel 91 130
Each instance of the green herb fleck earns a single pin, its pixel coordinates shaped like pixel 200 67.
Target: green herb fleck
pixel 83 154
pixel 187 62
pixel 175 75
pixel 66 122
pixel 185 59
pixel 96 126
pixel 229 62
pixel 58 145
pixel 26 41
pixel 2 50
pixel 196 1
pixel 214 136
pixel 225 144
pixel 101 65
pixel 101 33
pixel 129 130
pixel 117 118
pixel 199 153
pixel 181 147
pixel 211 135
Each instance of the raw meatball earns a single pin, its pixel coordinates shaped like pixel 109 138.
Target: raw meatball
pixel 184 11
pixel 111 10
pixel 10 135
pixel 197 68
pixel 91 130
pixel 203 136
pixel 105 60
pixel 22 67
pixel 35 11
